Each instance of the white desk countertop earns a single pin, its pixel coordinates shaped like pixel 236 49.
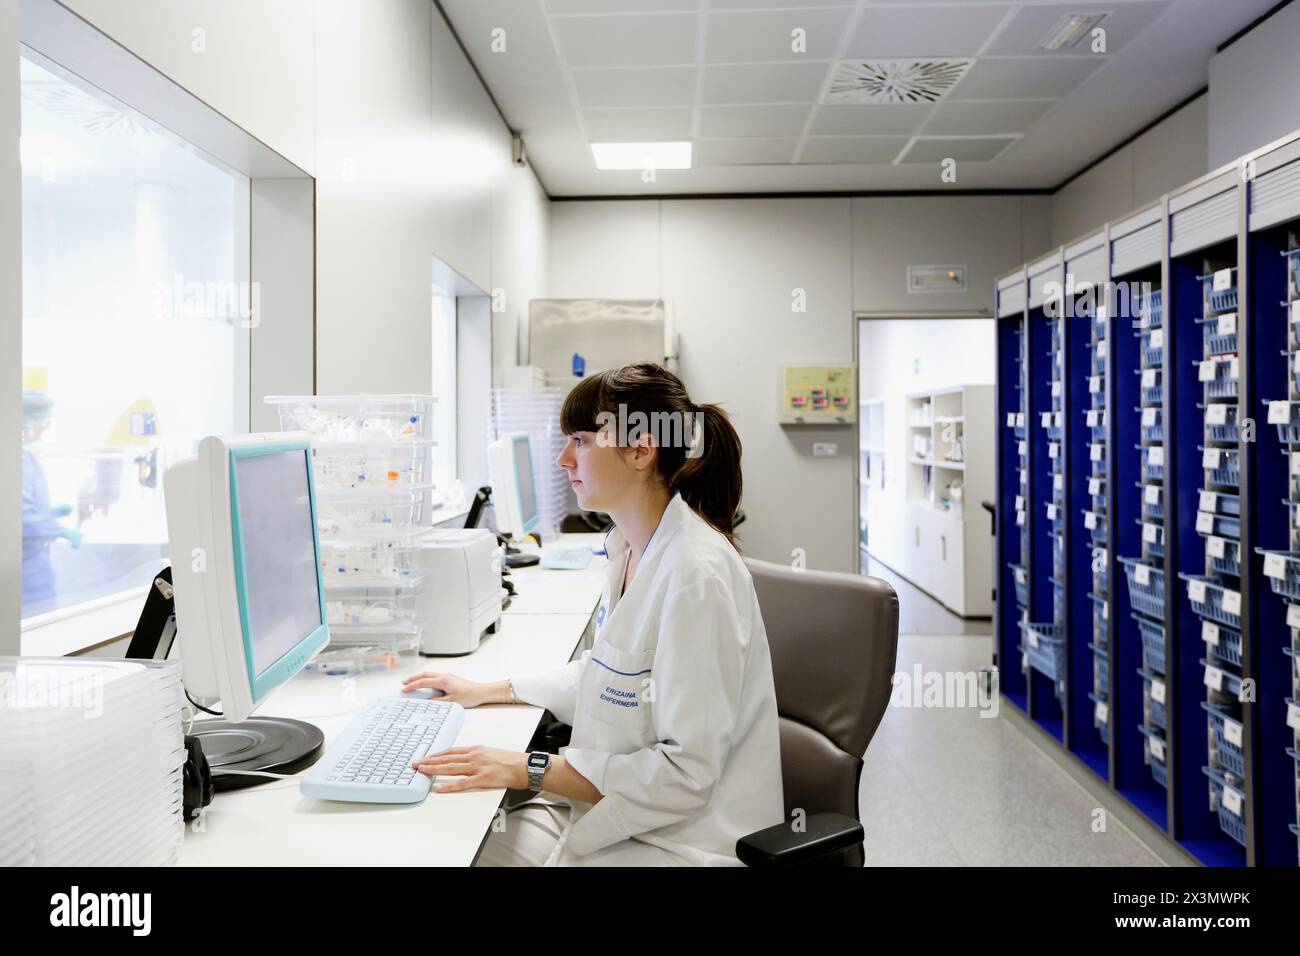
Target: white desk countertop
pixel 272 824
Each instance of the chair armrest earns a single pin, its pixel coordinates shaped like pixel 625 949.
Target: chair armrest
pixel 824 840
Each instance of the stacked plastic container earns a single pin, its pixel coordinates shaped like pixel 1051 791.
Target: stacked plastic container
pixel 1282 568
pixel 372 459
pixel 1044 644
pixel 1096 520
pixel 1145 573
pixel 536 412
pixel 92 761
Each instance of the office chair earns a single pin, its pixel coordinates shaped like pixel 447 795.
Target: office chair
pixel 834 643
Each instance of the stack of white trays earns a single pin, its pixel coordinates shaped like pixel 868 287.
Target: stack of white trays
pixel 373 471
pixel 91 762
pixel 536 412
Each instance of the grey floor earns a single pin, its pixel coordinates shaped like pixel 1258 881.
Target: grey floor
pixel 944 786
pixel 918 613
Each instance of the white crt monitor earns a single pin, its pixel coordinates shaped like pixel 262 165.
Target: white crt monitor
pixel 250 599
pixel 514 496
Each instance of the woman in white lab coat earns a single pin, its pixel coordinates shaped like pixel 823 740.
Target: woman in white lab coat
pixel 675 751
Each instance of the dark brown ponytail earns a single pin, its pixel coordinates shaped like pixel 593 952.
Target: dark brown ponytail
pixel 700 459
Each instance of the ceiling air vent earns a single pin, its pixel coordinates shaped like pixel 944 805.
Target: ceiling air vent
pixel 895 81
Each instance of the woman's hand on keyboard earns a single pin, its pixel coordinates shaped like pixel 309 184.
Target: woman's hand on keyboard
pixel 477 768
pixel 460 690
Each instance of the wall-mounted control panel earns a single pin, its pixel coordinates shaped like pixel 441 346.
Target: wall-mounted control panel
pixel 817 395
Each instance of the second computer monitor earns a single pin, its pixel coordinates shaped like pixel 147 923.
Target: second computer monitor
pixel 514 494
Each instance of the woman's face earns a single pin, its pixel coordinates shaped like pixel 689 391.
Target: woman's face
pixel 602 474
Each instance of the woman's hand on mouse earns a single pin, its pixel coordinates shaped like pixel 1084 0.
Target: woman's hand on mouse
pixel 460 690
pixel 476 768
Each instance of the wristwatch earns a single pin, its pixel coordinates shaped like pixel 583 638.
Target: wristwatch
pixel 538 761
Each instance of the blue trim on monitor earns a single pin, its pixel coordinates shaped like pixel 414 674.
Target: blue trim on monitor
pixel 293 660
pixel 528 524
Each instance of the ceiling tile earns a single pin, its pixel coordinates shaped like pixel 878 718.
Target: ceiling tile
pixel 1028 27
pixel 975 150
pixel 1024 77
pixel 618 6
pixel 637 40
pixel 768 35
pixel 745 152
pixel 764 83
pixel 852 149
pixel 868 120
pixel 769 4
pixel 727 122
pixel 898 32
pixel 955 118
pixel 665 86
pixel 636 126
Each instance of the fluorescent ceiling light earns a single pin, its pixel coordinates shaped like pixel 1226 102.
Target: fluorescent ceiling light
pixel 1070 30
pixel 642 155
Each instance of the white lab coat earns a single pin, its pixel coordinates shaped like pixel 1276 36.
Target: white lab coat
pixel 673 709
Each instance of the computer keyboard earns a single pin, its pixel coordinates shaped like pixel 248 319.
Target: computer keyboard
pixel 566 557
pixel 371 761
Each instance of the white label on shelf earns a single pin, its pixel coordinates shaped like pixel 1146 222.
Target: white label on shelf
pixel 1033 637
pixel 1011 419
pixel 1058 482
pixel 1060 419
pixel 1210 458
pixel 1152 494
pixel 1101 349
pixel 1020 518
pixel 1020 502
pixel 1217 414
pixel 1234 368
pixel 1232 731
pixel 1204 522
pixel 1222 280
pixel 1053 449
pixel 1293 615
pixel 1149 377
pixel 1295 367
pixel 1213 677
pixel 1105 612
pixel 1227 324
pixel 1142 574
pixel 1100 712
pixel 1091 418
pixel 1196 591
pixel 1295 462
pixel 1149 416
pixel 1295 311
pixel 1020 419
pixel 1157 747
pixel 1056 389
pixel 1022 448
pixel 1232 601
pixel 1158 338
pixel 1020 575
pixel 1094 486
pixel 1215 547
pixel 1205 371
pixel 1293 715
pixel 1090 520
pixel 1051 512
pixel 1209 501
pixel 1150 532
pixel 1232 800
pixel 1210 633
pixel 1275 566
pixel 1156 455
pixel 1046 419
pixel 1279 413
pixel 1024 662
pixel 1094 383
pixel 1158 691
pixel 1097 452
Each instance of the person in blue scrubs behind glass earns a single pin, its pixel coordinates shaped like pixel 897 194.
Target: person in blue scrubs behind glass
pixel 41 527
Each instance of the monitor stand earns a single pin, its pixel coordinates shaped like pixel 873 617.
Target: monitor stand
pixel 269 744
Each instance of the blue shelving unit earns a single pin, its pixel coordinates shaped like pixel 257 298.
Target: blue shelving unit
pixel 1011 515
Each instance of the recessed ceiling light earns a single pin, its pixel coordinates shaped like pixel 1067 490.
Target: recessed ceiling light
pixel 1069 30
pixel 642 155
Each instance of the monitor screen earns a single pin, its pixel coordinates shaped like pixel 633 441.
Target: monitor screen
pixel 281 600
pixel 524 473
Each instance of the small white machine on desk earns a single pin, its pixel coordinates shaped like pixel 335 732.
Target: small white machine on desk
pixel 466 596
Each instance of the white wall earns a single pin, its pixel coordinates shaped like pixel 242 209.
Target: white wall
pixel 1253 86
pixel 729 267
pixel 11 364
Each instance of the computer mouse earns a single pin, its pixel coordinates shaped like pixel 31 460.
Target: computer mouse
pixel 423 693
